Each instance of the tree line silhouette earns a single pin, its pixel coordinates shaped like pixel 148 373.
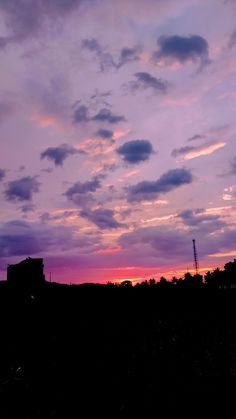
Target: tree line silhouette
pixel 216 279
pixel 120 351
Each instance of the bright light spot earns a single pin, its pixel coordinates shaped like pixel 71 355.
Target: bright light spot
pixel 227 197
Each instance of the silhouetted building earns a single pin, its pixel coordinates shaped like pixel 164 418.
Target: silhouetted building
pixel 28 272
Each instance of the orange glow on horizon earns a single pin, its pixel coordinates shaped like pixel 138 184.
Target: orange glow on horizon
pixel 125 273
pixel 224 254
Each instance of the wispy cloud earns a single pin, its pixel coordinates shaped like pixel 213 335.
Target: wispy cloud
pixel 144 81
pixel 106 59
pixel 81 115
pixel 102 218
pixel 59 154
pixel 81 193
pixel 191 152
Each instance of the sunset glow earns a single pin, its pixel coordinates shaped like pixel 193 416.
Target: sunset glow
pixel 117 122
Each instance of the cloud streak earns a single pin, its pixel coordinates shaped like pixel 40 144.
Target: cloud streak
pixel 105 58
pixel 102 218
pixel 200 218
pixel 191 152
pixel 59 154
pixel 23 238
pixel 81 193
pixel 148 190
pixel 81 115
pixel 146 81
pixel 105 115
pixel 104 133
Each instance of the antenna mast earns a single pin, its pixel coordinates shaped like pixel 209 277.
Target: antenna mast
pixel 196 264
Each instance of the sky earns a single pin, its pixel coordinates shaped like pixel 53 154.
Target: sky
pixel 117 131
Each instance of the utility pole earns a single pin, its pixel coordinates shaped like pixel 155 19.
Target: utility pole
pixel 195 256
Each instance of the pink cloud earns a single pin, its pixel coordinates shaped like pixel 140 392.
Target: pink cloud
pixel 109 250
pixel 203 150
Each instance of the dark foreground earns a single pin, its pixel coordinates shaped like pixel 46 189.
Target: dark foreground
pixel 78 352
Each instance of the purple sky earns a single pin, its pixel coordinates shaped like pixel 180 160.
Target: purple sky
pixel 117 124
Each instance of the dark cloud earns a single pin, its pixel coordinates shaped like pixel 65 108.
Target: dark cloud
pixel 60 153
pixel 46 216
pixel 82 200
pixel 148 190
pixel 25 18
pixel 182 49
pixel 199 217
pixel 196 137
pixel 150 246
pixel 182 150
pixel 104 133
pixel 156 243
pixel 102 218
pixel 79 187
pixel 106 60
pixel 2 174
pixel 81 192
pixel 22 189
pixel 23 238
pixel 135 151
pixel 128 55
pixel 105 115
pixel 18 238
pixel 147 81
pixel 81 114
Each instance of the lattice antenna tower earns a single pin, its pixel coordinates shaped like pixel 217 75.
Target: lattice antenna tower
pixel 195 256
